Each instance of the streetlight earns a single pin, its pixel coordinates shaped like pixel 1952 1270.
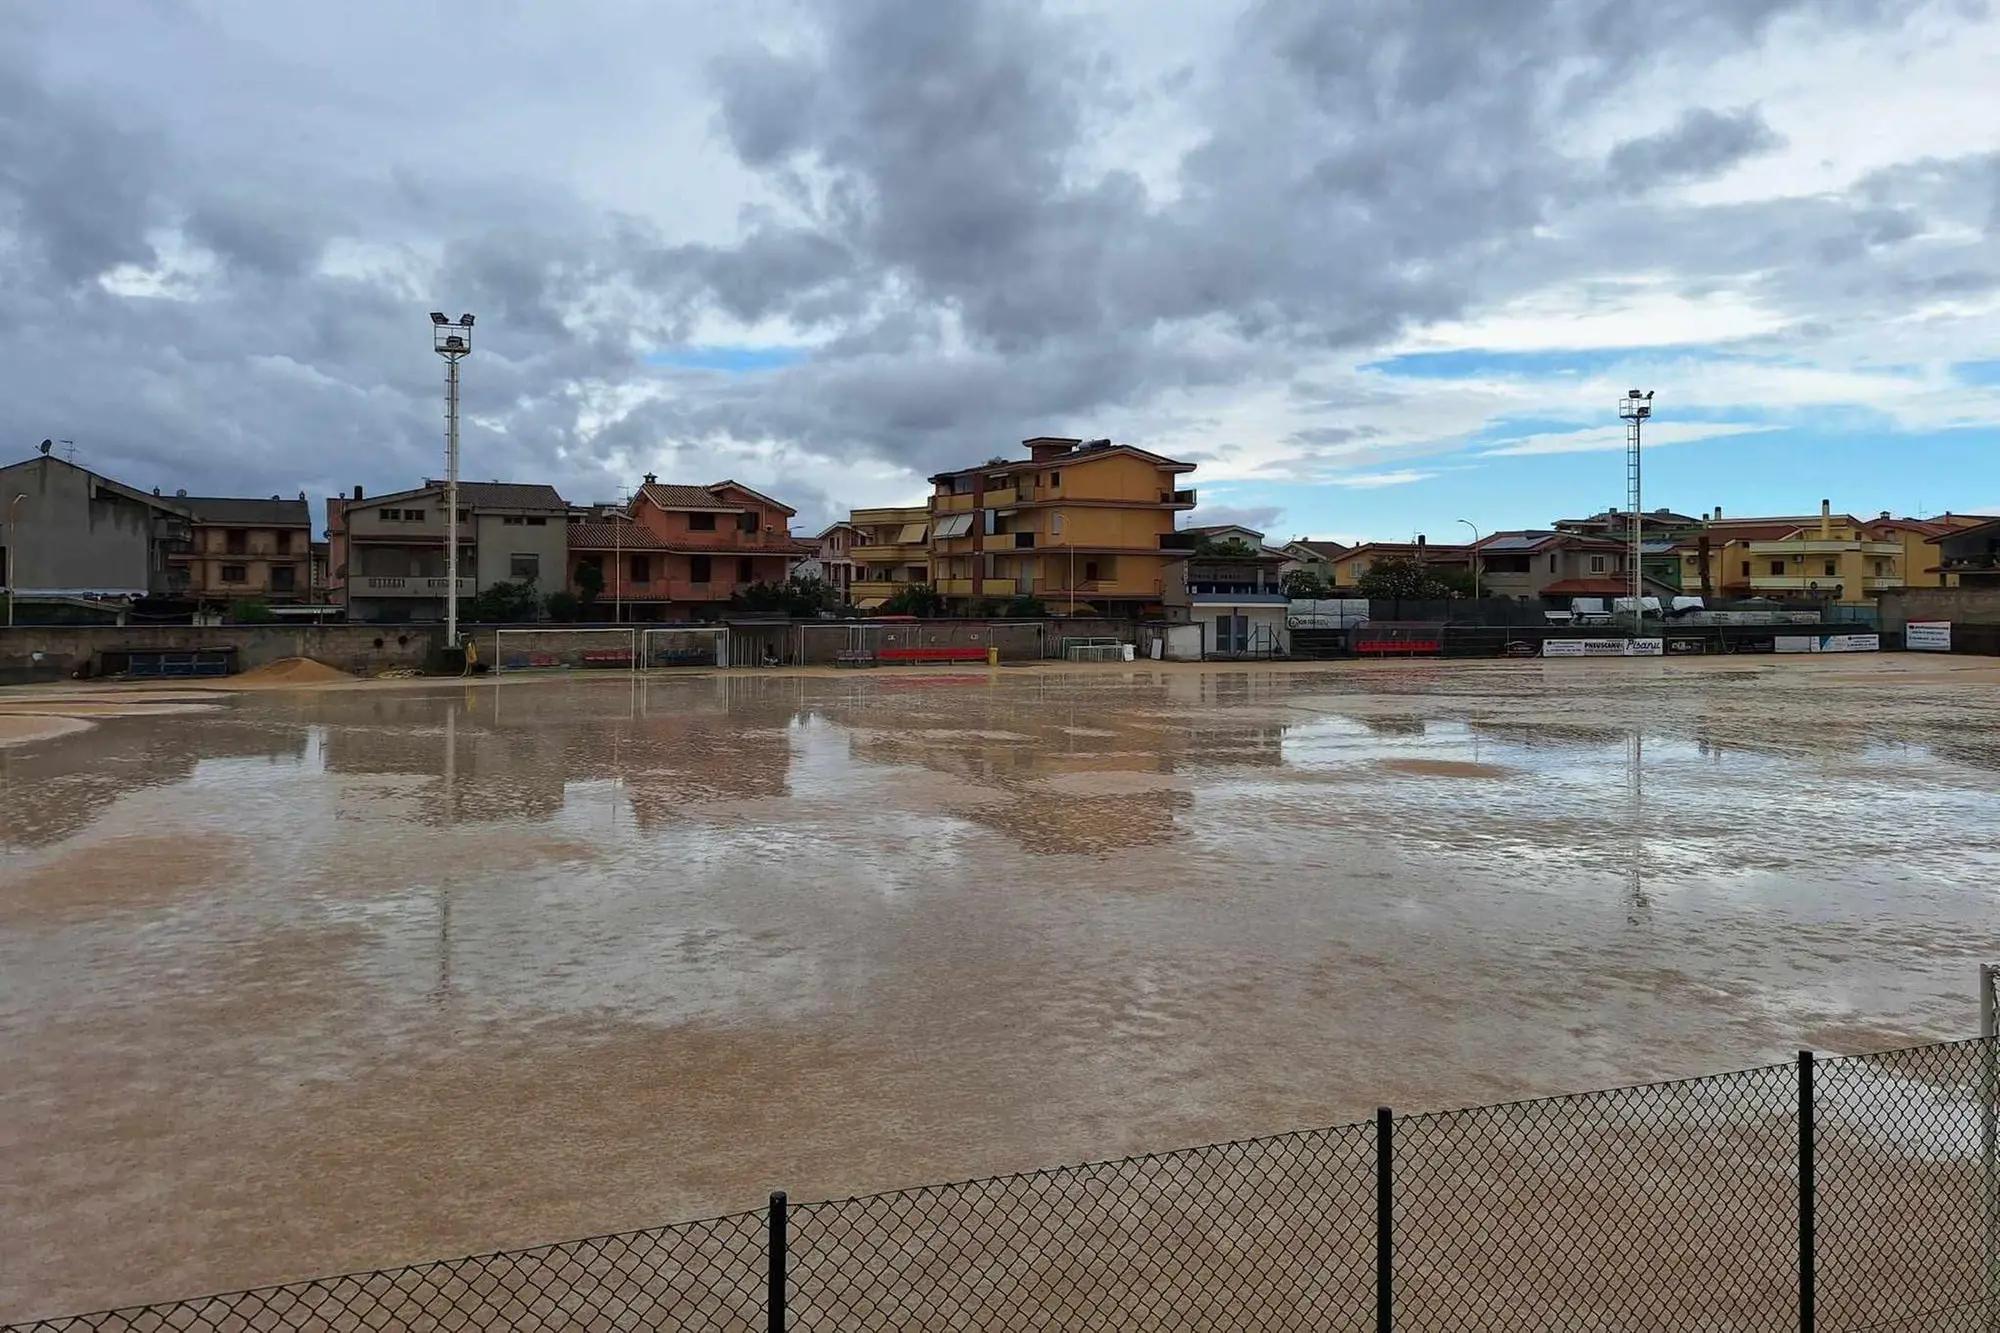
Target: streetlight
pixel 13 553
pixel 1475 557
pixel 1635 409
pixel 452 341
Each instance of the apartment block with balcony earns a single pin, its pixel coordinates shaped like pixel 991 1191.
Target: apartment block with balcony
pixel 1825 557
pixel 891 551
pixel 682 552
pixel 1558 567
pixel 388 551
pixel 1967 554
pixel 833 562
pixel 247 549
pixel 1085 526
pixel 1238 599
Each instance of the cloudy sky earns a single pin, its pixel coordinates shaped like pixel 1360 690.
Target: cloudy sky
pixel 1375 265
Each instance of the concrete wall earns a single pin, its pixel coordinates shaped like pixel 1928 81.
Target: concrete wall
pixel 499 541
pixel 1961 606
pixel 64 650
pixel 62 539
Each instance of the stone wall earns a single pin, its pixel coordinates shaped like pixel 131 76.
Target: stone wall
pixel 67 649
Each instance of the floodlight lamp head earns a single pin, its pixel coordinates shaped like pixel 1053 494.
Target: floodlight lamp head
pixel 466 320
pixel 437 317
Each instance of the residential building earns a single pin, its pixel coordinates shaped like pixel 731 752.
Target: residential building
pixel 834 561
pixel 1556 566
pixel 1823 557
pixel 891 551
pixel 1218 534
pixel 247 549
pixel 1082 525
pixel 1920 563
pixel 69 534
pixel 683 552
pixel 1968 555
pixel 1351 564
pixel 1315 557
pixel 388 551
pixel 1659 531
pixel 1239 600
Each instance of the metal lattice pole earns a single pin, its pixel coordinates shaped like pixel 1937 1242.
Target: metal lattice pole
pixel 1634 409
pixel 451 340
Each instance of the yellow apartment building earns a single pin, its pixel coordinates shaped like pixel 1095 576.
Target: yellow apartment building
pixel 1083 525
pixel 1832 557
pixel 891 550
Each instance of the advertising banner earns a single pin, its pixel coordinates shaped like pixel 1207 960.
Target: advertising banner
pixel 1850 643
pixel 1796 643
pixel 1603 647
pixel 1927 636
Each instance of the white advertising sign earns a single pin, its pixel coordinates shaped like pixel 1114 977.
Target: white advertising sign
pixel 1850 643
pixel 1795 643
pixel 1927 636
pixel 1603 647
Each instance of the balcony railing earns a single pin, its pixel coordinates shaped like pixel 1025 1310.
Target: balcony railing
pixel 1178 499
pixel 976 587
pixel 890 553
pixel 392 585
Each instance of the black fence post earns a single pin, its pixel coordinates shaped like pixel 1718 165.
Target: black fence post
pixel 1385 1220
pixel 774 1294
pixel 1808 1195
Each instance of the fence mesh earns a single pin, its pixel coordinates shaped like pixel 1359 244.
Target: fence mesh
pixel 1907 1231
pixel 705 1276
pixel 1665 1206
pixel 1266 1234
pixel 1668 1206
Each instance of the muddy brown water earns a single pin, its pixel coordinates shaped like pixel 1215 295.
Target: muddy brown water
pixel 316 982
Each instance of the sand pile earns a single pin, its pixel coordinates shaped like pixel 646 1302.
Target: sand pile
pixel 292 671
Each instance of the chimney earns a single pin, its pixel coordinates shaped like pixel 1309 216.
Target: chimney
pixel 1718 513
pixel 652 480
pixel 357 492
pixel 1825 519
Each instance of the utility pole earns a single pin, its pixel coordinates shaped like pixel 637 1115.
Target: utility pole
pixel 1635 409
pixel 1475 556
pixel 13 553
pixel 452 342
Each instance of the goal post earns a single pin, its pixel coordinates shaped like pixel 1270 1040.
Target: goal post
pixel 609 649
pixel 684 646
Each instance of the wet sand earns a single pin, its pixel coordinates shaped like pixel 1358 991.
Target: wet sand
pixel 326 979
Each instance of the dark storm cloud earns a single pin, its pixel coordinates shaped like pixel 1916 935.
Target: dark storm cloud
pixel 1703 143
pixel 937 215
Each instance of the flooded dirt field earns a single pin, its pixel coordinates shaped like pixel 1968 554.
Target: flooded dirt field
pixel 301 982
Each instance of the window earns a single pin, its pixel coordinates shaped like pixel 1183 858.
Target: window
pixel 464 515
pixel 1832 568
pixel 513 521
pixel 391 515
pixel 698 568
pixel 1232 634
pixel 1777 568
pixel 1090 571
pixel 701 523
pixel 747 522
pixel 1597 564
pixel 961 485
pixel 235 574
pixel 639 568
pixel 1055 478
pixel 746 571
pixel 283 578
pixel 524 566
pixel 538 522
pixel 413 516
pixel 1881 569
pixel 284 543
pixel 236 542
pixel 1746 569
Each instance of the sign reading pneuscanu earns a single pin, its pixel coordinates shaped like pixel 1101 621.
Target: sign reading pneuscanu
pixel 1603 647
pixel 1927 636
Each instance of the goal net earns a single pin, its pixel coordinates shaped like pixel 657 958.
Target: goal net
pixel 565 649
pixel 840 645
pixel 1093 650
pixel 682 646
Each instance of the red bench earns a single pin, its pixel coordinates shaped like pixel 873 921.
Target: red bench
pixel 971 653
pixel 608 657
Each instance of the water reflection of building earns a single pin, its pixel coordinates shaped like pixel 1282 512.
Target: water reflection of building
pixel 53 790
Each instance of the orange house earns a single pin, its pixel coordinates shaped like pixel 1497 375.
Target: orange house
pixel 681 552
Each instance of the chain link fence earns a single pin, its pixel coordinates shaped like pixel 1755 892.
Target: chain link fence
pixel 1850 1194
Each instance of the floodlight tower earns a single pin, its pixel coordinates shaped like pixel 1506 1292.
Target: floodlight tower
pixel 452 341
pixel 1635 409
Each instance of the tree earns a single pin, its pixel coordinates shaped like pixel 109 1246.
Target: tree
pixel 1305 585
pixel 589 587
pixel 251 611
pixel 915 599
pixel 563 605
pixel 502 604
pixel 1025 607
pixel 801 598
pixel 1402 577
pixel 1225 550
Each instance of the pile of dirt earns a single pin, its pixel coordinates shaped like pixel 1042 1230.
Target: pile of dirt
pixel 292 671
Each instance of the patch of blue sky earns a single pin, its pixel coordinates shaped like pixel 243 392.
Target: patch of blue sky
pixel 1476 363
pixel 1977 372
pixel 732 360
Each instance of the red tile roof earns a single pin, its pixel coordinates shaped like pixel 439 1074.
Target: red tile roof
pixel 684 497
pixel 612 536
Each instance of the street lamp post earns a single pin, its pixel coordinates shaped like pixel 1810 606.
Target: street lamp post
pixel 452 341
pixel 13 552
pixel 1635 409
pixel 1475 557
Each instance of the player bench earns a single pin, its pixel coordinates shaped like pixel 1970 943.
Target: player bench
pixel 607 657
pixel 854 657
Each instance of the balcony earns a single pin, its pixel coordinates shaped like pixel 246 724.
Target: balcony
pixel 1815 546
pixel 388 585
pixel 1104 588
pixel 914 553
pixel 1177 499
pixel 976 587
pixel 879 587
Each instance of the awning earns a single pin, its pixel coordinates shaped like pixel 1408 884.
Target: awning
pixel 954 525
pixel 912 534
pixel 870 603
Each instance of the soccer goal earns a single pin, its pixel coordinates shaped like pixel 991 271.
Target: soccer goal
pixel 565 649
pixel 685 646
pixel 847 645
pixel 1093 650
